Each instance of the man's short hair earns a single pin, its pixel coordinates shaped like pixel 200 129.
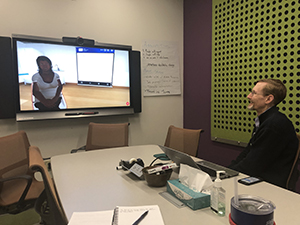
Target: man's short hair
pixel 276 88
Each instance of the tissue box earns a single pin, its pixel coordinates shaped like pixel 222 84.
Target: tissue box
pixel 194 200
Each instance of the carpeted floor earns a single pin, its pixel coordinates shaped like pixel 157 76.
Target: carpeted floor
pixel 29 217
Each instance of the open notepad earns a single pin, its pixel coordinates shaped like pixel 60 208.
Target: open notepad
pixel 127 215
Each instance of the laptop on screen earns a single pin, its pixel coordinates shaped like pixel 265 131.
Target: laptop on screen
pixel 206 166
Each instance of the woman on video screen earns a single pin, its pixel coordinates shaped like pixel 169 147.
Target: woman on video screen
pixel 47 86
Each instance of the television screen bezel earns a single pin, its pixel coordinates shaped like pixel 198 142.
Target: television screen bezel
pixel 135 85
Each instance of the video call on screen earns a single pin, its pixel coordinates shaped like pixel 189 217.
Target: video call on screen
pixel 82 66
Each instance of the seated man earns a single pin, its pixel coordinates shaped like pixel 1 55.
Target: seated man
pixel 271 151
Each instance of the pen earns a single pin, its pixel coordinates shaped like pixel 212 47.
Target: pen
pixel 141 218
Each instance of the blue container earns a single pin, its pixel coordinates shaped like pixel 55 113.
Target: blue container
pixel 251 210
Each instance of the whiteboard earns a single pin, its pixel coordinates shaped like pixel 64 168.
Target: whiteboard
pixel 160 68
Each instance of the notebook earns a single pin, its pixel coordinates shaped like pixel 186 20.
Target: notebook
pixel 206 166
pixel 127 215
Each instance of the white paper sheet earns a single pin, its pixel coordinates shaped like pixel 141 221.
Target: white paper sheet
pixel 91 218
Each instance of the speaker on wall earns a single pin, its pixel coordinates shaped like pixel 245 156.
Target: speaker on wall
pixel 135 65
pixel 7 100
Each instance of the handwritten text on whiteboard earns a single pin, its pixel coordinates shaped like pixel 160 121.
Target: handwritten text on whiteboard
pixel 160 68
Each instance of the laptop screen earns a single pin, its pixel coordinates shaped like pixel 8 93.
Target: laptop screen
pixel 179 157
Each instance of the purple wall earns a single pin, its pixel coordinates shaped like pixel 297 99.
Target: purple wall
pixel 197 80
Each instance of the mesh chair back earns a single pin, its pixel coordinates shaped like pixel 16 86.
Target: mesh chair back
pixel 14 163
pixel 107 136
pixel 184 140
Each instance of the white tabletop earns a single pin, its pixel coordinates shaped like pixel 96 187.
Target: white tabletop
pixel 89 181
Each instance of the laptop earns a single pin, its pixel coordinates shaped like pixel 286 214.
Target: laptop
pixel 206 166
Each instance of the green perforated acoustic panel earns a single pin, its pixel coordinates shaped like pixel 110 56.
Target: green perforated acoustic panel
pixel 252 40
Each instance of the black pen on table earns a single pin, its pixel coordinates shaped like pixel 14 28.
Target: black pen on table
pixel 141 218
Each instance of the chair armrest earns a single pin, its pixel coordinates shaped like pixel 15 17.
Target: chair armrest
pixel 26 189
pixel 36 163
pixel 36 159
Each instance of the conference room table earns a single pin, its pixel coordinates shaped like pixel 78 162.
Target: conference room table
pixel 89 181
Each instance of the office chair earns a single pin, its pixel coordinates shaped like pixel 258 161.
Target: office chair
pixel 105 136
pixel 184 140
pixel 19 189
pixel 293 176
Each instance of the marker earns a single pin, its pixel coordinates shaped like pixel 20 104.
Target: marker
pixel 162 168
pixel 90 113
pixel 141 218
pixel 84 113
pixel 72 114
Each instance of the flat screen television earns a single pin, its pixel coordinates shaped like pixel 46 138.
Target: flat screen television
pixel 73 78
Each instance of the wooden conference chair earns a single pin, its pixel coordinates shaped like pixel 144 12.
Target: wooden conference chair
pixel 184 140
pixel 290 183
pixel 19 189
pixel 102 136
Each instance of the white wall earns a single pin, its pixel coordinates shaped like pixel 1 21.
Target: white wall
pixel 126 22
